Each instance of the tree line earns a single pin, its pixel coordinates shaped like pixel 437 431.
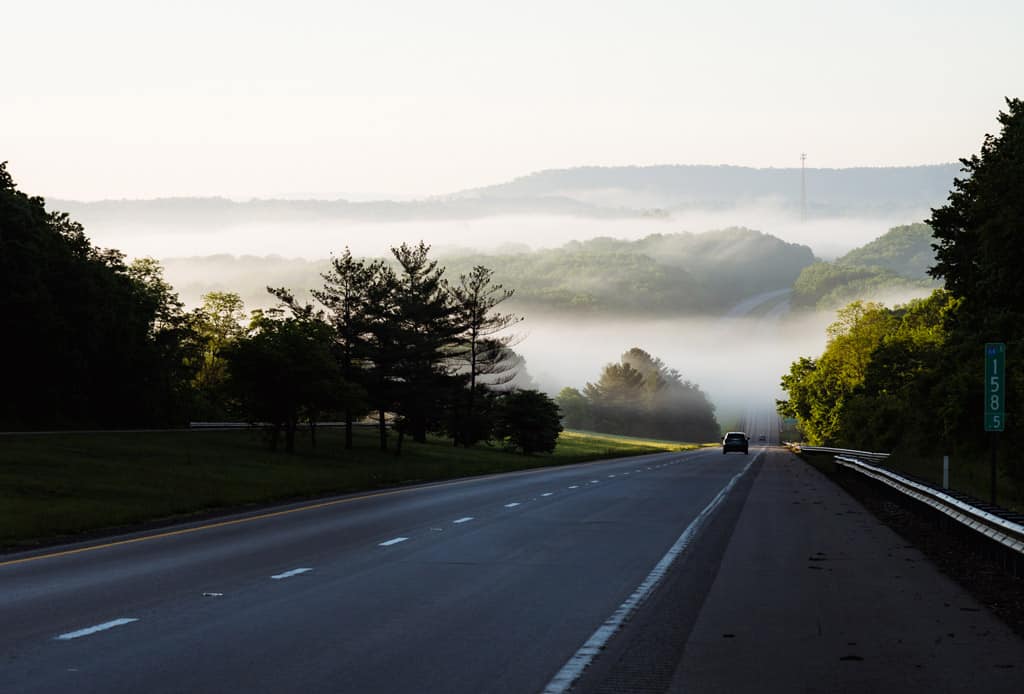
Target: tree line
pixel 910 378
pixel 641 396
pixel 96 341
pixel 398 341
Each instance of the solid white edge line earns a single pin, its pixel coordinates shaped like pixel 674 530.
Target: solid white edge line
pixel 582 658
pixel 289 574
pixel 464 519
pixel 92 630
pixel 392 541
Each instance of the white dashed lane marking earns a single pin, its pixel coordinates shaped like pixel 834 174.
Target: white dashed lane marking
pixel 89 631
pixel 393 541
pixel 289 574
pixel 466 519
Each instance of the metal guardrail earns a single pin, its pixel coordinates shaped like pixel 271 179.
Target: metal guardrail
pixel 861 455
pixel 1006 532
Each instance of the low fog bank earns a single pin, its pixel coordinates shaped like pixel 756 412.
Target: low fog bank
pixel 312 240
pixel 317 240
pixel 737 361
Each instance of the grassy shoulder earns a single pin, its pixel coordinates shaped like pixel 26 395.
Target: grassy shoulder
pixel 55 487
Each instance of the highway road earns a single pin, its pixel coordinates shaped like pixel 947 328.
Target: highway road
pixel 483 585
pixel 632 575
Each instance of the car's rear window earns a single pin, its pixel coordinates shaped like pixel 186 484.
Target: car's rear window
pixel 734 437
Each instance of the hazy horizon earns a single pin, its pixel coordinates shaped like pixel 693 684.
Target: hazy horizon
pixel 112 99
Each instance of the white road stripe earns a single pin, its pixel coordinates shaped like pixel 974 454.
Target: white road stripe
pixel 594 481
pixel 571 671
pixel 512 505
pixel 289 574
pixel 88 631
pixel 463 520
pixel 547 494
pixel 393 541
pixel 574 486
pixel 611 475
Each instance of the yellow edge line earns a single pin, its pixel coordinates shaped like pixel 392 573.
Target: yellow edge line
pixel 274 514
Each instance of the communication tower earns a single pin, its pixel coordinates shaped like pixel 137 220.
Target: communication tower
pixel 803 188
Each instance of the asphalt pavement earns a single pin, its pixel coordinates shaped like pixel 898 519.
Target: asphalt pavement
pixel 480 585
pixel 795 587
pixel 681 572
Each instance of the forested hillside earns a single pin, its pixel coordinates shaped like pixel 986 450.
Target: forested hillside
pixel 662 274
pixel 905 250
pixel 895 263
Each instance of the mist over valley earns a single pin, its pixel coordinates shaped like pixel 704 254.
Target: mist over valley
pixel 687 262
pixel 840 209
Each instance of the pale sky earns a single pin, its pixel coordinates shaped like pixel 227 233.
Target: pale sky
pixel 134 99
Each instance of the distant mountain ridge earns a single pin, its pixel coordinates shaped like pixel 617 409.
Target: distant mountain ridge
pixel 862 189
pixel 600 192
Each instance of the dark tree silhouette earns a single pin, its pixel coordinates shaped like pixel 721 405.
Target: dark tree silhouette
pixel 485 353
pixel 529 421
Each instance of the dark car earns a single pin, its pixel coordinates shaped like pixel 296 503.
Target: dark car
pixel 735 441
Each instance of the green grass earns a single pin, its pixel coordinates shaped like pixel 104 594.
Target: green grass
pixel 57 486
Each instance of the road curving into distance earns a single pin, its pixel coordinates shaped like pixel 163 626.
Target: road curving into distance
pixel 525 582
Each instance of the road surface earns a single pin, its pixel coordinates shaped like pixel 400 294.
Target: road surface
pixel 482 585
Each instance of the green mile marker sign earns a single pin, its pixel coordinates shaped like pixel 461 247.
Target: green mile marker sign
pixel 995 386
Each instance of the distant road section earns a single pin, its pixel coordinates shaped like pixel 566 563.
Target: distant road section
pixel 773 303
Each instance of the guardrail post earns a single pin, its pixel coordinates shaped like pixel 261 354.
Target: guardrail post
pixel 992 466
pixel 945 472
